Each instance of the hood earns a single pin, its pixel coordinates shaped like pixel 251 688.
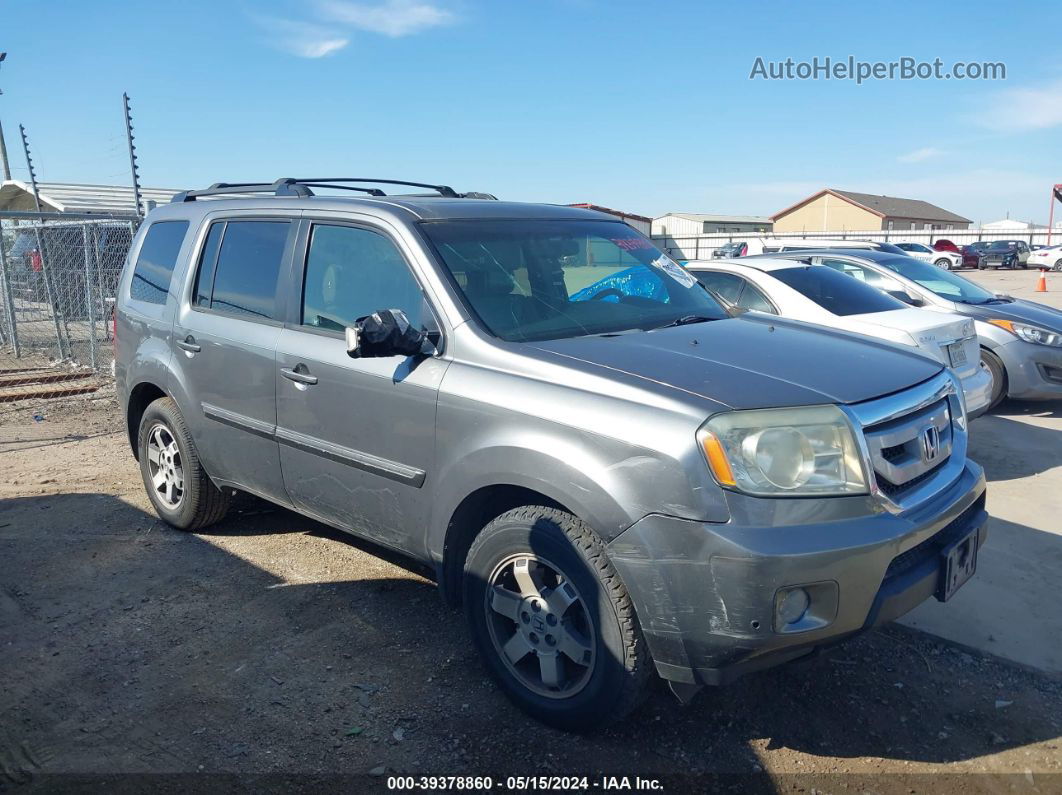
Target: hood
pixel 1020 311
pixel 754 361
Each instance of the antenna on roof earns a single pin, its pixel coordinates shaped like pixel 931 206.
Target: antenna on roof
pixel 132 154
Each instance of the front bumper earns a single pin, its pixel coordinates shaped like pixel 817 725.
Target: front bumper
pixel 705 593
pixel 1034 372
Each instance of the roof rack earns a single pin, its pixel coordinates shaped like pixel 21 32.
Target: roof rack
pixel 288 186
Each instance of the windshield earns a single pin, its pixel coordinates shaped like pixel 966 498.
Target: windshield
pixel 835 292
pixel 944 283
pixel 1001 245
pixel 532 280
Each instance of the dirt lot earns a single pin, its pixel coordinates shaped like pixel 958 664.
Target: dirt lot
pixel 273 645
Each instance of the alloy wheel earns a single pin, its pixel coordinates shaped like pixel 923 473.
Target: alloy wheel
pixel 540 626
pixel 165 467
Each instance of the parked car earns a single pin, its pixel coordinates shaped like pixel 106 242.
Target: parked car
pixel 824 296
pixel 609 482
pixel 1021 341
pixel 943 244
pixel 973 254
pixel 948 260
pixel 773 245
pixel 1005 254
pixel 730 250
pixel 1050 258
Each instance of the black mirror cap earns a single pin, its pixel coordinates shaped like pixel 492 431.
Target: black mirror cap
pixel 387 332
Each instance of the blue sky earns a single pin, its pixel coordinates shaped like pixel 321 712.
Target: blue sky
pixel 647 107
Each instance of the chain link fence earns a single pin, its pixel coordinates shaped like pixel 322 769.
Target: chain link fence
pixel 57 287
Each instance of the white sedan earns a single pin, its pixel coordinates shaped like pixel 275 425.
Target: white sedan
pixel 817 294
pixel 948 260
pixel 1050 258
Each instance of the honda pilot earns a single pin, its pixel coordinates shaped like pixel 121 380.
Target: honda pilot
pixel 609 482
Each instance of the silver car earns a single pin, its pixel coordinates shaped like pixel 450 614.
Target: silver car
pixel 1021 341
pixel 611 481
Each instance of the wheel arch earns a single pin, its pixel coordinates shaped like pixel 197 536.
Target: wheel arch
pixel 140 397
pixel 469 518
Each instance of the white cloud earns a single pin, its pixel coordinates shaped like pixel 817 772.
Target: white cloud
pixel 391 18
pixel 303 39
pixel 918 155
pixel 1023 109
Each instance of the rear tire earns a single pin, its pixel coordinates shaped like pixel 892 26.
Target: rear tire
pixel 1058 266
pixel 999 378
pixel 552 621
pixel 176 483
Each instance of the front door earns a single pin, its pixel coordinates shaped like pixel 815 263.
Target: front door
pixel 357 436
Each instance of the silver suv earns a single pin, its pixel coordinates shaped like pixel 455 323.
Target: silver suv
pixel 608 471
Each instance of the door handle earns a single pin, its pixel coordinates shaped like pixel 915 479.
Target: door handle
pixel 297 377
pixel 189 344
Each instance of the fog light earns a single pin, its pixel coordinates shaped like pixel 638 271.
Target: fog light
pixel 791 605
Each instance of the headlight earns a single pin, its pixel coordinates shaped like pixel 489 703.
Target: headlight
pixel 774 452
pixel 1035 334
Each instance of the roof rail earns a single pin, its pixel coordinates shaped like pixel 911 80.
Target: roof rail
pixel 288 186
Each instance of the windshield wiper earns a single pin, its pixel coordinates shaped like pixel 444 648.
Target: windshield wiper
pixel 686 320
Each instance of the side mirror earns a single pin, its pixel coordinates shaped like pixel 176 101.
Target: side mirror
pixel 906 297
pixel 387 332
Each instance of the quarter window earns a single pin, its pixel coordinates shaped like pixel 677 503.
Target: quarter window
pixel 156 260
pixel 353 272
pixel 243 281
pixel 726 285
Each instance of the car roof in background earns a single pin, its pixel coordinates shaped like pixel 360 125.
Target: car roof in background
pixel 864 253
pixel 765 263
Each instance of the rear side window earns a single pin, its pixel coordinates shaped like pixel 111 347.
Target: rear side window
pixel 243 279
pixel 155 263
pixel 726 285
pixel 835 292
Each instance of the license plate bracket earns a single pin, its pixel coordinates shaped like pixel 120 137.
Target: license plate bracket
pixel 958 562
pixel 957 354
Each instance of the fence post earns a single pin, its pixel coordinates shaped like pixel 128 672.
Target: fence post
pixel 49 290
pixel 9 301
pixel 89 297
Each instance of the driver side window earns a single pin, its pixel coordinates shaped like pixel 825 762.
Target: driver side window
pixel 353 272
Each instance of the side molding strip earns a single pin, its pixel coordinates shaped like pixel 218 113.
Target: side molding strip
pixel 383 467
pixel 392 470
pixel 243 423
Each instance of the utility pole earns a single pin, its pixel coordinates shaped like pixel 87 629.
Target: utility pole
pixel 4 166
pixel 132 155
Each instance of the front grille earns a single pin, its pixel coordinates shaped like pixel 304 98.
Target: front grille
pixel 899 454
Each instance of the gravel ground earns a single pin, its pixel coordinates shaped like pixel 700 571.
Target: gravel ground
pixel 272 646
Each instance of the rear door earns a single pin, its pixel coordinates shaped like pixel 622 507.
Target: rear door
pixel 357 436
pixel 225 340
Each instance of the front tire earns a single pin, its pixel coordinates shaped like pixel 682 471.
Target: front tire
pixel 176 483
pixel 1058 266
pixel 552 621
pixel 999 378
pixel 943 264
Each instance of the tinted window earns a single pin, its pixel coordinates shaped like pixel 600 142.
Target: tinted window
pixel 155 263
pixel 726 285
pixel 351 273
pixel 835 292
pixel 245 281
pixel 544 279
pixel 754 300
pixel 204 280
